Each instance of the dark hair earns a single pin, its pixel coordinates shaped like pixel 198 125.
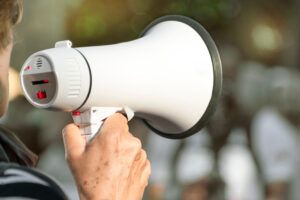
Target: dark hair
pixel 10 14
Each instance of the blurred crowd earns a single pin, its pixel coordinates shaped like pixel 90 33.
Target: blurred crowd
pixel 248 151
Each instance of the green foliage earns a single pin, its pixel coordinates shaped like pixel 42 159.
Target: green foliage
pixel 90 25
pixel 99 21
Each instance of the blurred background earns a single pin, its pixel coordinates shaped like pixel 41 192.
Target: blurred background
pixel 248 151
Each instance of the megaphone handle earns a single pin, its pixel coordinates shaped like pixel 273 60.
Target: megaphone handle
pixel 88 130
pixel 91 120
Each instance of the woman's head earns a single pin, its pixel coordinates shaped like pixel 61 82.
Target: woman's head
pixel 10 14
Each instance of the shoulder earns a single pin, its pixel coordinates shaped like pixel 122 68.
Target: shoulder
pixel 17 182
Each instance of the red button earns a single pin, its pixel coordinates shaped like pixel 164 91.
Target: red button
pixel 28 68
pixel 75 113
pixel 41 95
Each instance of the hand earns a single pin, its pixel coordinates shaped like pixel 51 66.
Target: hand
pixel 112 166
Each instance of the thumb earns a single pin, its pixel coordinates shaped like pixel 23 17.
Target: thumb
pixel 73 141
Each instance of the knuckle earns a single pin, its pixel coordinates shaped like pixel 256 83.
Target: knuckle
pixel 117 118
pixel 136 143
pixel 143 155
pixel 132 147
pixel 120 117
pixel 112 134
pixel 71 158
pixel 67 129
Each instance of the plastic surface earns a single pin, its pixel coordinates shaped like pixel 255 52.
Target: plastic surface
pixel 170 77
pixel 68 74
pixel 91 120
pixel 166 77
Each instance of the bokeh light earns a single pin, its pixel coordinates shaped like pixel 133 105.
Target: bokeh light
pixel 266 38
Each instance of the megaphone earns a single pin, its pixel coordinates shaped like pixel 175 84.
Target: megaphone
pixel 171 77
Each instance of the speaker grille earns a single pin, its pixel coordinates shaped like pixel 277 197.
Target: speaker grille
pixel 39 62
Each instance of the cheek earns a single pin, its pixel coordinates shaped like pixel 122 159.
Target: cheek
pixel 3 94
pixel 3 83
pixel 10 48
pixel 5 57
pixel 4 67
pixel 3 91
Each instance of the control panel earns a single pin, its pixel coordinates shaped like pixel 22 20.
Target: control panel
pixel 39 79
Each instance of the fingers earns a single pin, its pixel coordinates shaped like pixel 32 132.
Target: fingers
pixel 143 168
pixel 143 176
pixel 113 129
pixel 146 173
pixel 115 125
pixel 141 156
pixel 73 141
pixel 116 121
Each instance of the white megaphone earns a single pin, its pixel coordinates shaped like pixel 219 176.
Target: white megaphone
pixel 171 77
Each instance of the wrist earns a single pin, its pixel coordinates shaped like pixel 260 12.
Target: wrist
pixel 95 196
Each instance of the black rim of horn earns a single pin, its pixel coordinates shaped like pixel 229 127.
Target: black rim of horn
pixel 217 71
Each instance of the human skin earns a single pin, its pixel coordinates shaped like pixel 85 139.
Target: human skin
pixel 4 67
pixel 113 166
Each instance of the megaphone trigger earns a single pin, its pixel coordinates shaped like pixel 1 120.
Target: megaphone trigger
pixel 127 112
pixel 90 121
